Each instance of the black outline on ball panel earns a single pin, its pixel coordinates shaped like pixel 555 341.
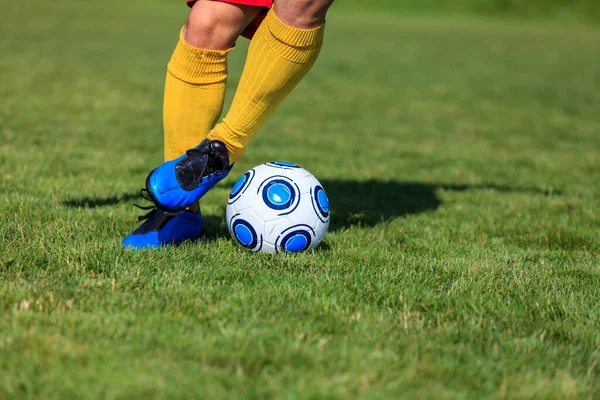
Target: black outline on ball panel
pixel 318 189
pixel 246 176
pixel 255 237
pixel 231 220
pixel 298 192
pixel 271 177
pixel 276 244
pixel 293 234
pixel 261 243
pixel 244 187
pixel 267 200
pixel 230 226
pixel 316 208
pixel 231 223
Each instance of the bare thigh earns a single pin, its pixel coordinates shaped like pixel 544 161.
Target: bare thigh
pixel 216 25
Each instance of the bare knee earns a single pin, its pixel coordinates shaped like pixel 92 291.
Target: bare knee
pixel 304 14
pixel 216 25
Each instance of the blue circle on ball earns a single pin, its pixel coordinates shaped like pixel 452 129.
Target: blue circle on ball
pixel 296 244
pixel 244 235
pixel 296 241
pixel 323 200
pixel 279 194
pixel 239 185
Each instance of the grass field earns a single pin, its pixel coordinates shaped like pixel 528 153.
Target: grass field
pixel 586 11
pixel 462 160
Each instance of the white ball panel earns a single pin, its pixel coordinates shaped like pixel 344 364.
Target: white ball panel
pixel 268 248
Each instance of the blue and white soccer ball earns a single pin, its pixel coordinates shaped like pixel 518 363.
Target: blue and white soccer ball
pixel 277 207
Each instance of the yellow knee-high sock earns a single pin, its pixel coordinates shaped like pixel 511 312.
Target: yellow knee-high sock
pixel 278 58
pixel 194 94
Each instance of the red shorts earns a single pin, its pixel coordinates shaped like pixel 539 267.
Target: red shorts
pixel 250 29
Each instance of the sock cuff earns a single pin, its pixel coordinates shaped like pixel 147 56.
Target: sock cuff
pixel 198 66
pixel 294 44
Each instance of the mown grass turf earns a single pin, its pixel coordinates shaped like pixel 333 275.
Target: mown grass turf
pixel 461 158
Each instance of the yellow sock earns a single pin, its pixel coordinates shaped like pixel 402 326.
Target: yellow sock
pixel 278 58
pixel 194 94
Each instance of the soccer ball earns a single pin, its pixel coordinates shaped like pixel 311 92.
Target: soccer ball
pixel 277 207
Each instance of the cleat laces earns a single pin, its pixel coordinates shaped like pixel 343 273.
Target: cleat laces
pixel 156 217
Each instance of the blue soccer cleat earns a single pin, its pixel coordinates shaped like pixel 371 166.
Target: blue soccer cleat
pixel 163 228
pixel 180 183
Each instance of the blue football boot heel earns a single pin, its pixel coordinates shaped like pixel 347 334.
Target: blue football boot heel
pixel 180 183
pixel 163 228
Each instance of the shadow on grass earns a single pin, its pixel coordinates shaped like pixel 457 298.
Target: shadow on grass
pixel 368 203
pixel 354 203
pixel 95 202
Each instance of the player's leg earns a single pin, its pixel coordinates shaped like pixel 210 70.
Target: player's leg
pixel 197 72
pixel 279 57
pixel 283 50
pixel 194 93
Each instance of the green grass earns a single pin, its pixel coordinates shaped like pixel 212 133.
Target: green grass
pixel 461 158
pixel 582 10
